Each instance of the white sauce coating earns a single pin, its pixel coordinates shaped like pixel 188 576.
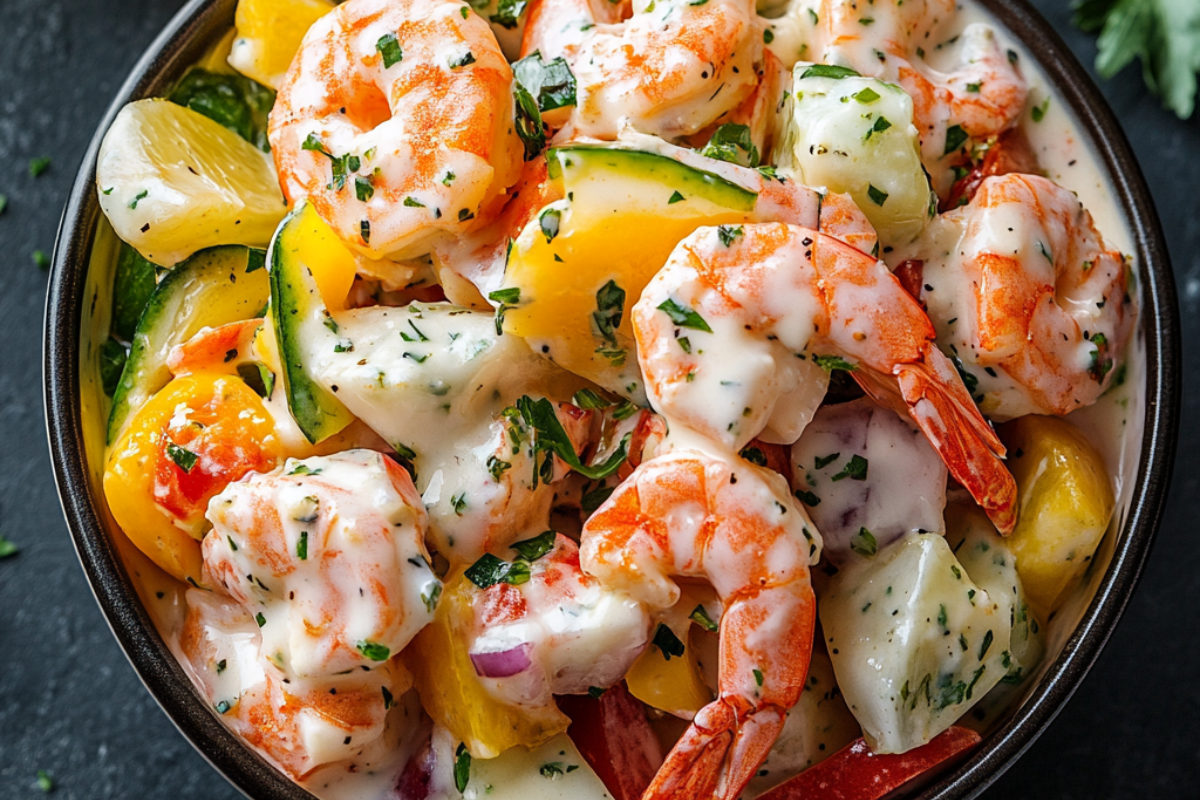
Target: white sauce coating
pixel 575 633
pixel 328 555
pixel 433 380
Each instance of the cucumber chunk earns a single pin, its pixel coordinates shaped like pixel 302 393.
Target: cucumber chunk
pixel 133 286
pixel 301 317
pixel 214 287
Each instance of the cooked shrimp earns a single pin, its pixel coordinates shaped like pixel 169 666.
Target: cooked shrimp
pixel 980 95
pixel 299 724
pixel 560 632
pixel 1024 291
pixel 396 121
pixel 692 515
pixel 471 267
pixel 328 554
pixel 738 323
pixel 670 69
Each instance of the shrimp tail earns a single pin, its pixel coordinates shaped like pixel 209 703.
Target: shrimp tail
pixel 719 753
pixel 944 411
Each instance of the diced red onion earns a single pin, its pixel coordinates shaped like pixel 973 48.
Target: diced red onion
pixel 504 663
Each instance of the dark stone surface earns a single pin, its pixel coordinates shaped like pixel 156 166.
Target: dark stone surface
pixel 71 705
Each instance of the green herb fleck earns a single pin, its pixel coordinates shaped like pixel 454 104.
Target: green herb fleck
pixel 701 618
pixel 683 316
pixel 666 641
pixel 388 46
pixel 184 459
pixel 864 543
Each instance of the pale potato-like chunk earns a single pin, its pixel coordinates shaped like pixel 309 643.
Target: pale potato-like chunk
pixel 856 136
pixel 915 642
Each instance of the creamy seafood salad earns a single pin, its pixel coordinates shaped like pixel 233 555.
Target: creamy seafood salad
pixel 595 398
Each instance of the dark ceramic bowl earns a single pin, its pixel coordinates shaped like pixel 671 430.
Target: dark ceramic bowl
pixel 74 408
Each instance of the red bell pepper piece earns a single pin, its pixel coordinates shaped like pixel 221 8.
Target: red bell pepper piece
pixel 615 738
pixel 855 773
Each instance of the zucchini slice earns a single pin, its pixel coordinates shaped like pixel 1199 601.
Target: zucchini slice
pixel 213 287
pixel 301 317
pixel 579 163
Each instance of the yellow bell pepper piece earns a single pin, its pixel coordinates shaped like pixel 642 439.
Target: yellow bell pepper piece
pixel 1065 498
pixel 452 694
pixel 332 264
pixel 238 436
pixel 674 684
pixel 269 33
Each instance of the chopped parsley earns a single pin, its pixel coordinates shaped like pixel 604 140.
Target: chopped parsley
pixel 489 570
pixel 727 141
pixel 666 641
pixel 956 137
pixel 184 459
pixel 497 467
pixel 302 546
pixel 374 650
pixel 463 60
pixel 530 128
pixel 866 96
pixel 683 316
pixel 508 13
pixel 551 439
pixel 141 196
pixel 459 503
pixel 864 543
pixel 830 363
pixel 38 165
pixel 550 83
pixel 7 548
pixel 388 46
pixel 701 618
pixel 462 768
pixel 855 469
pixel 754 455
pixel 807 497
pixel 535 548
pixel 820 462
pixel 878 196
pixel 728 234
pixel 881 125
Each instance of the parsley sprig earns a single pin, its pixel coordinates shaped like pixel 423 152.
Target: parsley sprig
pixel 1163 34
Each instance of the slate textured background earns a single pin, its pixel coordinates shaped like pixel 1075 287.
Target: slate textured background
pixel 70 703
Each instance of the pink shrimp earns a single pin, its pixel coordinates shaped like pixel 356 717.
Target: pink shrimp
pixel 729 330
pixel 396 121
pixel 1030 299
pixel 981 96
pixel 692 515
pixel 670 69
pixel 329 556
pixel 300 725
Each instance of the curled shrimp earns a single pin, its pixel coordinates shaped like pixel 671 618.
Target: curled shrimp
pixel 670 69
pixel 692 515
pixel 560 632
pixel 328 554
pixel 981 94
pixel 741 321
pixel 1025 293
pixel 301 725
pixel 396 121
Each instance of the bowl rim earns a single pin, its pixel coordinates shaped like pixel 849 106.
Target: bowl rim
pixel 182 41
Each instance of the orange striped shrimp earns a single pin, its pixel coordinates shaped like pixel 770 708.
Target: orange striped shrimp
pixel 328 555
pixel 1024 291
pixel 396 121
pixel 692 515
pixel 982 94
pixel 300 725
pixel 670 69
pixel 729 331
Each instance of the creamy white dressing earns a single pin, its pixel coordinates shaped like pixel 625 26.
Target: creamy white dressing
pixel 1065 157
